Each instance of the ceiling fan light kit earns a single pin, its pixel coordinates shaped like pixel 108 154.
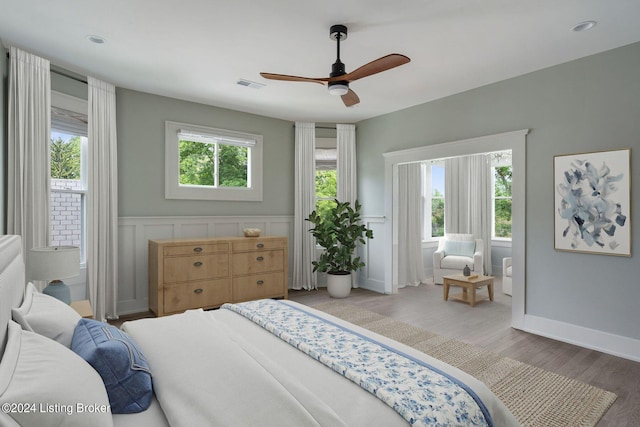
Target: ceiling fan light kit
pixel 338 88
pixel 338 80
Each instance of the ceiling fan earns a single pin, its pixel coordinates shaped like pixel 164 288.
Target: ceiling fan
pixel 338 80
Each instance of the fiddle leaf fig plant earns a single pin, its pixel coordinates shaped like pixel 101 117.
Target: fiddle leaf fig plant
pixel 339 232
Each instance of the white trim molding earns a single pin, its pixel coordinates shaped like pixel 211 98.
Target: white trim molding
pixel 174 190
pixel 371 276
pixel 514 141
pixel 616 345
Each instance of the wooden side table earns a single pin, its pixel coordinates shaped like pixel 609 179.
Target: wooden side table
pixel 468 286
pixel 83 308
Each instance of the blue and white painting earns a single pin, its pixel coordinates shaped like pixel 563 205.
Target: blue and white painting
pixel 593 202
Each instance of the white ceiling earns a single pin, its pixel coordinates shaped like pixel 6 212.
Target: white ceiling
pixel 198 49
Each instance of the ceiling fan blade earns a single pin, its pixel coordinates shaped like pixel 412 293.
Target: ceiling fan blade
pixel 350 98
pixel 374 67
pixel 287 78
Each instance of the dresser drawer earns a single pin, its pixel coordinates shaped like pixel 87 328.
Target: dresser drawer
pixel 196 249
pixel 258 286
pixel 257 262
pixel 257 244
pixel 187 268
pixel 205 294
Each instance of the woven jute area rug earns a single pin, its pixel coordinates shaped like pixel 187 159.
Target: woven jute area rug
pixel 536 397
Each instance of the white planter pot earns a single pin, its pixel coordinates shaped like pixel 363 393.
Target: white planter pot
pixel 339 285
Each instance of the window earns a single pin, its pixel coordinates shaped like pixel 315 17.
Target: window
pixel 437 200
pixel 501 217
pixel 434 202
pixel 212 164
pixel 68 151
pixel 326 175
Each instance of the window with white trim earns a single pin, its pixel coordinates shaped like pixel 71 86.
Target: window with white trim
pixel 205 163
pixel 433 199
pixel 326 163
pixel 68 162
pixel 501 195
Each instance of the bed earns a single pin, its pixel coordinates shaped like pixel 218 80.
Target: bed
pixel 266 362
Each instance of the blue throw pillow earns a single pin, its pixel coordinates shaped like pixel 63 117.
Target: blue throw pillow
pixel 459 247
pixel 119 361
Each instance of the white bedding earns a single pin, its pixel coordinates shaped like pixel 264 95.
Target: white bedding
pixel 219 368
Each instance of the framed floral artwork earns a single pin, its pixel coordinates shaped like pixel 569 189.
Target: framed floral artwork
pixel 592 209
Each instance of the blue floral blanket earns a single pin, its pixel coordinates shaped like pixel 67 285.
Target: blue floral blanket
pixel 422 394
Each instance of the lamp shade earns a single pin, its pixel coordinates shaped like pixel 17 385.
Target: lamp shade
pixel 54 262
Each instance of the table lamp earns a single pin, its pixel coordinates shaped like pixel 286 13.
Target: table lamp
pixel 55 263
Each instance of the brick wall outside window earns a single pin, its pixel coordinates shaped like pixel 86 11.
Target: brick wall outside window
pixel 66 213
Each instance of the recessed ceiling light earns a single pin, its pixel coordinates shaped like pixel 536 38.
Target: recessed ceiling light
pixel 96 39
pixel 584 26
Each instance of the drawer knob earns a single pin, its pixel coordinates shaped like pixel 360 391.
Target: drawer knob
pixel 197 263
pixel 198 291
pixel 260 258
pixel 197 249
pixel 260 245
pixel 260 282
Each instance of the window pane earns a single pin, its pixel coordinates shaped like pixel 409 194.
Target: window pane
pixel 503 181
pixel 437 217
pixel 66 218
pixel 65 161
pixel 437 181
pixel 437 200
pixel 233 165
pixel 503 218
pixel 326 184
pixel 197 163
pixel 67 198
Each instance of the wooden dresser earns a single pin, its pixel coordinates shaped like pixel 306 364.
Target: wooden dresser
pixel 206 273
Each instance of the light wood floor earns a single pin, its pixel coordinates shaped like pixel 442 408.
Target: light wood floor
pixel 487 325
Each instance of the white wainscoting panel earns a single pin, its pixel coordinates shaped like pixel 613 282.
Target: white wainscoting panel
pixel 134 234
pixel 371 276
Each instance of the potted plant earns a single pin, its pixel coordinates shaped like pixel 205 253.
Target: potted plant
pixel 339 231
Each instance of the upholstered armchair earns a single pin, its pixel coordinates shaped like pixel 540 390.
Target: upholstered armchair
pixel 455 251
pixel 506 275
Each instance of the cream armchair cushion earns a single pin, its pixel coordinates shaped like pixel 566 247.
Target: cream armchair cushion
pixel 506 275
pixel 455 251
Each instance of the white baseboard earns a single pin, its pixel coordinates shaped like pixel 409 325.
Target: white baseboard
pixel 604 342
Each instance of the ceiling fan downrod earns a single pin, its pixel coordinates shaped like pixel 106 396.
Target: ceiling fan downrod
pixel 340 87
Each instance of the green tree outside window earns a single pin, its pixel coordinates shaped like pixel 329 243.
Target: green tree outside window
pixel 198 164
pixel 65 158
pixel 502 201
pixel 326 191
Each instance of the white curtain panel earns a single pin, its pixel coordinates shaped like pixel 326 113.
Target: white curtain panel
pixel 29 133
pixel 304 245
pixel 481 199
pixel 346 163
pixel 346 170
pixel 467 191
pixel 410 219
pixel 102 208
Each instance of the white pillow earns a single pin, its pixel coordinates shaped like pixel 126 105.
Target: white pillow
pixel 46 316
pixel 44 384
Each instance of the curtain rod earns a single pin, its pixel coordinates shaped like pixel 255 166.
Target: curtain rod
pixel 321 127
pixel 69 76
pixel 62 73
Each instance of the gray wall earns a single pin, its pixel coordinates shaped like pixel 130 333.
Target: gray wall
pixel 141 119
pixel 585 105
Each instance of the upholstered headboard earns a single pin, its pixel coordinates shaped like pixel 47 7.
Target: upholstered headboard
pixel 12 281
